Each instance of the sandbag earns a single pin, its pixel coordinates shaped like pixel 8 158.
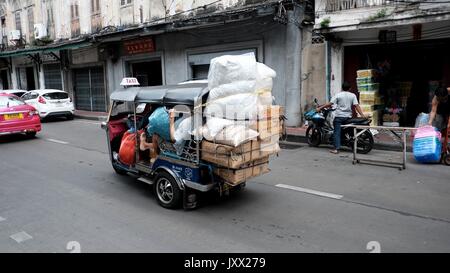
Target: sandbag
pixel 235 107
pixel 427 145
pixel 159 123
pixel 182 129
pixel 263 71
pixel 235 135
pixel 231 68
pixel 127 148
pixel 233 88
pixel 264 83
pixel 215 125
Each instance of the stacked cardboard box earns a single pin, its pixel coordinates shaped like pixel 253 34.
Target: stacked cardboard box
pixel 369 97
pixel 234 165
pixel 236 157
pixel 269 123
pixel 237 176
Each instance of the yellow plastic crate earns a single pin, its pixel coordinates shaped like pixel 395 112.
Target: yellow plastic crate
pixel 370 98
pixel 366 73
pixel 367 107
pixel 374 115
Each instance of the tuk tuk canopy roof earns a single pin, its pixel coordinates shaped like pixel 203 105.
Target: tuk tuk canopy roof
pixel 183 94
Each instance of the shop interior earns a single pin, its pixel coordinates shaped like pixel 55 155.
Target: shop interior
pixel 147 73
pixel 405 76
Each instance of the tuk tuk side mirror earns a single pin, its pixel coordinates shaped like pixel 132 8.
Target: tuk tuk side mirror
pixel 103 125
pixel 315 100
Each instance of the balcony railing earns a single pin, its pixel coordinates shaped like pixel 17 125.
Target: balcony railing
pixel 337 5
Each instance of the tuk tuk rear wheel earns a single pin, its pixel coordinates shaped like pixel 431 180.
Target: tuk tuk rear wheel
pixel 167 191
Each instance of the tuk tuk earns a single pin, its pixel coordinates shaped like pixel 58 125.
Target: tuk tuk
pixel 176 177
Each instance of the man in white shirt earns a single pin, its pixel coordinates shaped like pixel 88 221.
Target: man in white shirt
pixel 344 101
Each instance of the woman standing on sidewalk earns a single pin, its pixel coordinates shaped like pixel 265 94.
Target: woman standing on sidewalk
pixel 440 105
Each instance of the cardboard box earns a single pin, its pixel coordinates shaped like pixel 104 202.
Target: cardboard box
pixel 237 176
pixel 270 112
pixel 365 73
pixel 236 157
pixel 267 128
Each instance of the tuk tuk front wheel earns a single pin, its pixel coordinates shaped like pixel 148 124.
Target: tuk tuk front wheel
pixel 167 191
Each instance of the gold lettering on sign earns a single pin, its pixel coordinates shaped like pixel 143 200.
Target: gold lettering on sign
pixel 139 46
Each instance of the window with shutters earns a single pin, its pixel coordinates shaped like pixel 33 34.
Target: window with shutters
pixel 18 21
pixel 125 2
pixel 96 19
pixel 75 16
pixel 30 16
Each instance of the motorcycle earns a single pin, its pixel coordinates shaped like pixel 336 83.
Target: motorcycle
pixel 320 130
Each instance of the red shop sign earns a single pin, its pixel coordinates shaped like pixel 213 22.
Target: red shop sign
pixel 139 46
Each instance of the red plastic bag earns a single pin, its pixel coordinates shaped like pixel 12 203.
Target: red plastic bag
pixel 127 148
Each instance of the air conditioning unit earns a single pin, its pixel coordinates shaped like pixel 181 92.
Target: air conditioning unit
pixel 40 31
pixel 14 35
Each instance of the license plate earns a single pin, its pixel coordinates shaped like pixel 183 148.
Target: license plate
pixel 13 116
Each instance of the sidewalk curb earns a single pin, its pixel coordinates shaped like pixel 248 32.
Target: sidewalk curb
pixel 377 146
pixel 101 118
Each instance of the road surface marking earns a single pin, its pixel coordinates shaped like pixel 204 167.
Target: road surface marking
pixel 56 141
pixel 2 219
pixel 21 237
pixel 320 193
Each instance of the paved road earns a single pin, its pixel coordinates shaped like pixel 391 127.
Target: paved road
pixel 60 188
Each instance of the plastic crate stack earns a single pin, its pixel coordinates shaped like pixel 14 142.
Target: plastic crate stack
pixel 427 145
pixel 369 96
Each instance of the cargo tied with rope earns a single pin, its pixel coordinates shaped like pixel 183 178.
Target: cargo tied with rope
pixel 242 126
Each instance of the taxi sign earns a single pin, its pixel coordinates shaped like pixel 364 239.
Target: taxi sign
pixel 129 82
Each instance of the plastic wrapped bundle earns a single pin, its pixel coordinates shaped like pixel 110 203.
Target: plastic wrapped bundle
pixel 159 123
pixel 427 145
pixel 230 68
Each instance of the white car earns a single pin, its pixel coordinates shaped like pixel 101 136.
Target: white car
pixel 17 92
pixel 50 102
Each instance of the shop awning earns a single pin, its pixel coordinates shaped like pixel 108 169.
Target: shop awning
pixel 45 49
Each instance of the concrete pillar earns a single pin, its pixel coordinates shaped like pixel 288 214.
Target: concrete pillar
pixel 41 77
pixel 13 73
pixel 337 68
pixel 293 66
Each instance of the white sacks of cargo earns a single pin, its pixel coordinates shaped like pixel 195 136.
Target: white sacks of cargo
pixel 238 86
